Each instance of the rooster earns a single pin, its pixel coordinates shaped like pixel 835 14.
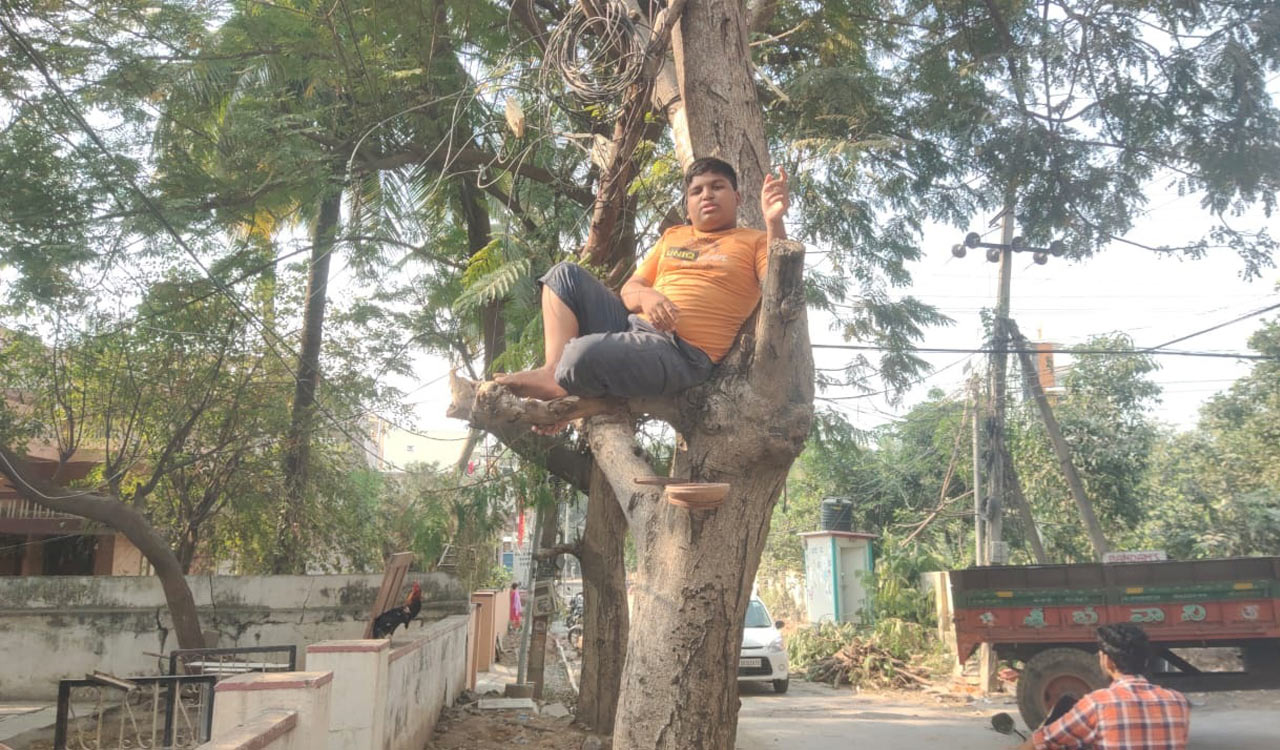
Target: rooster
pixel 385 624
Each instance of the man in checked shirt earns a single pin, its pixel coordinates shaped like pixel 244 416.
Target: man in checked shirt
pixel 1129 714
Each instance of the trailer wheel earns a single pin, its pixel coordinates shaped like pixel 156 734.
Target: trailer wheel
pixel 1053 673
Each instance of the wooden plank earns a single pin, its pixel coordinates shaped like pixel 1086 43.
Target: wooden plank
pixel 392 582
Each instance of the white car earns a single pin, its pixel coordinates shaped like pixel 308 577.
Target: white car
pixel 764 655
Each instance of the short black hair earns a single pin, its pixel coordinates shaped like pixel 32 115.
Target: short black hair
pixel 1127 645
pixel 712 165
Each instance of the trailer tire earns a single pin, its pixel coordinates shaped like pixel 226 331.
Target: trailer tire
pixel 1053 673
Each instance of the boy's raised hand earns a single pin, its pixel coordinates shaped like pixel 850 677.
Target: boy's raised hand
pixel 774 199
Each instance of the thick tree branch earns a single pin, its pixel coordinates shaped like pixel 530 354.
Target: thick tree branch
pixel 760 14
pixel 111 512
pixel 488 405
pixel 570 465
pixel 523 11
pixel 551 553
pixel 666 98
pixel 782 339
pixel 621 460
pixel 626 136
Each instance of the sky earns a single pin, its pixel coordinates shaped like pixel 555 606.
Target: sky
pixel 1153 297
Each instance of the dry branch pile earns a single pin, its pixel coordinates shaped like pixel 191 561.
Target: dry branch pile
pixel 892 654
pixel 865 664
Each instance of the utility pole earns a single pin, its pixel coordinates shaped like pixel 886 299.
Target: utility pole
pixel 543 603
pixel 996 484
pixel 975 392
pixel 999 469
pixel 1061 449
pixel 526 627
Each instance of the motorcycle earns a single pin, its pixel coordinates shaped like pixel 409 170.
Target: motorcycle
pixel 1004 724
pixel 573 621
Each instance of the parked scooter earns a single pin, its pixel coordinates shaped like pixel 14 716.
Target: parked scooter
pixel 573 621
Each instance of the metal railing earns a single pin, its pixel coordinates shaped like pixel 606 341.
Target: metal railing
pixel 25 509
pixel 153 713
pixel 228 662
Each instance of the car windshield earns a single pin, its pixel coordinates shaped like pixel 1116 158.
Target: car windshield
pixel 757 617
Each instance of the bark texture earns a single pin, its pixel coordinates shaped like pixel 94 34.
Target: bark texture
pixel 605 619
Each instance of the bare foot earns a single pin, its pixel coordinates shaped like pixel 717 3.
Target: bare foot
pixel 539 383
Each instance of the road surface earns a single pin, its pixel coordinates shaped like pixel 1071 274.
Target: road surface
pixel 815 717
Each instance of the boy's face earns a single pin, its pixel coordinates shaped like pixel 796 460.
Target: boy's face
pixel 712 202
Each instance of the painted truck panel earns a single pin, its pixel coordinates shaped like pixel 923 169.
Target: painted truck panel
pixel 1236 599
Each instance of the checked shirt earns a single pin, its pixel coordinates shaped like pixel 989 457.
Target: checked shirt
pixel 1130 714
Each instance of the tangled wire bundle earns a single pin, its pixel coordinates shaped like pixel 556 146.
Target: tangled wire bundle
pixel 597 53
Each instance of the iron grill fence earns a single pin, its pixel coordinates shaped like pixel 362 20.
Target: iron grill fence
pixel 228 662
pixel 153 713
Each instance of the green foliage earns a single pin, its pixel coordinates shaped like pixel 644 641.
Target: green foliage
pixel 490 277
pixel 807 646
pixel 1216 490
pixel 872 656
pixel 896 582
pixel 1103 413
pixel 894 477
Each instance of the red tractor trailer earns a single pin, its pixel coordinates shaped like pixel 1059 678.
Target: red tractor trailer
pixel 1045 616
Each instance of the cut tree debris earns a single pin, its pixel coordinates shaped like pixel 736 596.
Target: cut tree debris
pixel 865 664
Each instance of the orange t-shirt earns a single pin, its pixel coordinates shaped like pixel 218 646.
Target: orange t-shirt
pixel 713 277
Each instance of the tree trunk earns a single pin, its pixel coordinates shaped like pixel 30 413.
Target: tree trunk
pixel 696 568
pixel 713 67
pixel 605 618
pixel 745 427
pixel 493 324
pixel 289 550
pixel 126 520
pixel 187 549
pixel 493 327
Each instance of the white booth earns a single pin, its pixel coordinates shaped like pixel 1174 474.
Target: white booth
pixel 837 568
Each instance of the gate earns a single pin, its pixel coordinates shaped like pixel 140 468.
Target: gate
pixel 155 713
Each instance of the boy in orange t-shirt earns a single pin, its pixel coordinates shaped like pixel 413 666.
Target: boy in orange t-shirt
pixel 679 312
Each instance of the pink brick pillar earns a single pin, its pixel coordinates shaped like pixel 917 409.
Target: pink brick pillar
pixel 241 699
pixel 359 690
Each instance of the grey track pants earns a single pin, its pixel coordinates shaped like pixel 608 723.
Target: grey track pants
pixel 617 353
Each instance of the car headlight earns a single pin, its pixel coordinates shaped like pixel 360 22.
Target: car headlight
pixel 776 645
